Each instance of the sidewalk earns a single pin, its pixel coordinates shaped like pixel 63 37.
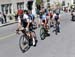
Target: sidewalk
pixel 8 23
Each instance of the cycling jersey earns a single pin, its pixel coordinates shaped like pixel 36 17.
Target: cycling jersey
pixel 43 17
pixel 24 19
pixel 56 17
pixel 31 16
pixel 27 18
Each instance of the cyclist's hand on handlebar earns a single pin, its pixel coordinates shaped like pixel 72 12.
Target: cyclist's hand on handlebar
pixel 17 31
pixel 27 29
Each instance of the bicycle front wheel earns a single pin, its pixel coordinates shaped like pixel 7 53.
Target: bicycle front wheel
pixel 42 33
pixel 24 43
pixel 57 28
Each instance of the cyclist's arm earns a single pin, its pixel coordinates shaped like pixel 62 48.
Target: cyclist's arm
pixel 28 21
pixel 54 17
pixel 45 21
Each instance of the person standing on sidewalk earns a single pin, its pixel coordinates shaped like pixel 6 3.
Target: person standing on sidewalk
pixel 1 18
pixel 16 15
pixel 4 15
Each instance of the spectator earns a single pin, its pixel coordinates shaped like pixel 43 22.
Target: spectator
pixel 4 15
pixel 1 19
pixel 16 16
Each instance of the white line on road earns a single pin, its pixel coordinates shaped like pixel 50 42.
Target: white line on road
pixel 8 36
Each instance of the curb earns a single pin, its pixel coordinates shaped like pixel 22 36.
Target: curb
pixel 8 24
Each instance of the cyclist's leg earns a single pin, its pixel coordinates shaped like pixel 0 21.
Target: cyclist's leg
pixel 54 25
pixel 46 27
pixel 38 23
pixel 32 40
pixel 58 26
pixel 50 21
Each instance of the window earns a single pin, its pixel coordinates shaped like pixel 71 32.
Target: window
pixel 6 8
pixel 73 1
pixel 20 5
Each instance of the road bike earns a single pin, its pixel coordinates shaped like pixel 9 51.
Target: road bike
pixel 26 40
pixel 43 32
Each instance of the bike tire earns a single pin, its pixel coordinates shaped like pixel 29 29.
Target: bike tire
pixel 56 30
pixel 42 34
pixel 24 43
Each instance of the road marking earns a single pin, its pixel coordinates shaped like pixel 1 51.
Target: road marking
pixel 5 37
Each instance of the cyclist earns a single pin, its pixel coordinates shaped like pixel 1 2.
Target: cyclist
pixel 44 20
pixel 56 18
pixel 25 22
pixel 32 17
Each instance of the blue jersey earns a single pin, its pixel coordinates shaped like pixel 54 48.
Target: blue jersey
pixel 31 16
pixel 43 17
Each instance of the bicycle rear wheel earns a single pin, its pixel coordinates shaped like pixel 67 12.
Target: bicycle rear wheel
pixel 24 43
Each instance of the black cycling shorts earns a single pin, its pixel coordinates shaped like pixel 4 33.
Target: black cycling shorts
pixel 43 21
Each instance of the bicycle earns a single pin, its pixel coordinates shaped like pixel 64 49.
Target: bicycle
pixel 43 32
pixel 57 27
pixel 25 40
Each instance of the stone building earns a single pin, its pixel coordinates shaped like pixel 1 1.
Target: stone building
pixel 11 6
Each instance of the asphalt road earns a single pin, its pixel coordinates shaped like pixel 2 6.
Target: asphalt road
pixel 61 45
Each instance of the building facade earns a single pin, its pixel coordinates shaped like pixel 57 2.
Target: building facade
pixel 11 6
pixel 70 2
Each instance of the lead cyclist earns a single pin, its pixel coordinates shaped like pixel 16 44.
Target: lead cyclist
pixel 24 22
pixel 44 21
